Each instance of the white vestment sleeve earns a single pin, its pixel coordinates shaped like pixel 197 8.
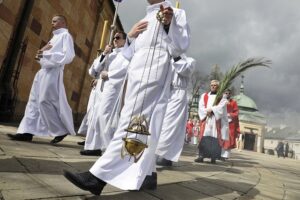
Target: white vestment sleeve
pixel 224 125
pixel 128 49
pixel 120 72
pixel 57 59
pixel 96 65
pixel 201 108
pixel 178 37
pixel 184 67
pixel 218 110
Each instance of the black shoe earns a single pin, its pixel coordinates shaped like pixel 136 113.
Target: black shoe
pixel 86 181
pixel 21 137
pixel 163 162
pixel 213 161
pixel 58 139
pixel 150 182
pixel 81 143
pixel 97 152
pixel 223 159
pixel 199 160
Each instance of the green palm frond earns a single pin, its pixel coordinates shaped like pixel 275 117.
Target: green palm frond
pixel 236 70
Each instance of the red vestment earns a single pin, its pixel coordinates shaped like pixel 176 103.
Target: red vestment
pixel 234 127
pixel 189 128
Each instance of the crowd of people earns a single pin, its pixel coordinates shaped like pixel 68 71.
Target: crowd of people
pixel 139 94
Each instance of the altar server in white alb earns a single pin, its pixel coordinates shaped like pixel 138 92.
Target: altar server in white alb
pixel 111 67
pixel 152 43
pixel 48 112
pixel 84 123
pixel 173 130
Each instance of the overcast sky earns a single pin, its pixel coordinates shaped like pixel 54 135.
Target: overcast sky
pixel 225 32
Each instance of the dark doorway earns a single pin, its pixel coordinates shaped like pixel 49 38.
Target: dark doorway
pixel 249 141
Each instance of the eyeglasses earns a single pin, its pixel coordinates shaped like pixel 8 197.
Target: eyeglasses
pixel 213 85
pixel 117 38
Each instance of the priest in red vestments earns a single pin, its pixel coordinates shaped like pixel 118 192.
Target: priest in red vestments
pixel 214 124
pixel 234 128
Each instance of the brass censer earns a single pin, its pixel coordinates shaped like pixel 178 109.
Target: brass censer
pixel 160 17
pixel 133 146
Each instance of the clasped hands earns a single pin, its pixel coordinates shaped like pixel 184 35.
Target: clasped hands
pixel 209 112
pixel 39 53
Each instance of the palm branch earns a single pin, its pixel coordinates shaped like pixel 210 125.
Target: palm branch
pixel 235 71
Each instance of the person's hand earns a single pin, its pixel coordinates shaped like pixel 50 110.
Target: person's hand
pixel 94 83
pixel 167 15
pixel 104 75
pixel 39 53
pixel 46 47
pixel 107 49
pixel 137 29
pixel 209 112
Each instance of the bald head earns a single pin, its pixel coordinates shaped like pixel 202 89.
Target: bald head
pixel 214 85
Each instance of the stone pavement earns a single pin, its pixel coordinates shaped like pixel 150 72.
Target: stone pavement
pixel 33 170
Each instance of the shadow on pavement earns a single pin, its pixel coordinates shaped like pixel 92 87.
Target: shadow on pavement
pixel 42 166
pixel 191 190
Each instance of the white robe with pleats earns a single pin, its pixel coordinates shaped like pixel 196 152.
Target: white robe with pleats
pixel 106 94
pixel 173 130
pixel 147 94
pixel 84 124
pixel 47 111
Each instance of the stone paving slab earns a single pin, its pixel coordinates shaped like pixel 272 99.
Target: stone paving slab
pixel 177 192
pixel 207 188
pixel 34 170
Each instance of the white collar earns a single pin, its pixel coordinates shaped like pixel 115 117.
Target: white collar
pixel 60 30
pixel 117 50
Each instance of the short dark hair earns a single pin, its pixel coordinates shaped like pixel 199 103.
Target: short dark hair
pixel 62 17
pixel 124 35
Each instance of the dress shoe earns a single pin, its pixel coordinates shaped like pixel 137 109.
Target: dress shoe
pixel 223 159
pixel 199 160
pixel 163 162
pixel 97 152
pixel 150 182
pixel 21 137
pixel 213 161
pixel 58 139
pixel 81 143
pixel 86 181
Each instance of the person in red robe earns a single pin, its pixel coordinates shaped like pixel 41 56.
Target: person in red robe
pixel 234 127
pixel 189 130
